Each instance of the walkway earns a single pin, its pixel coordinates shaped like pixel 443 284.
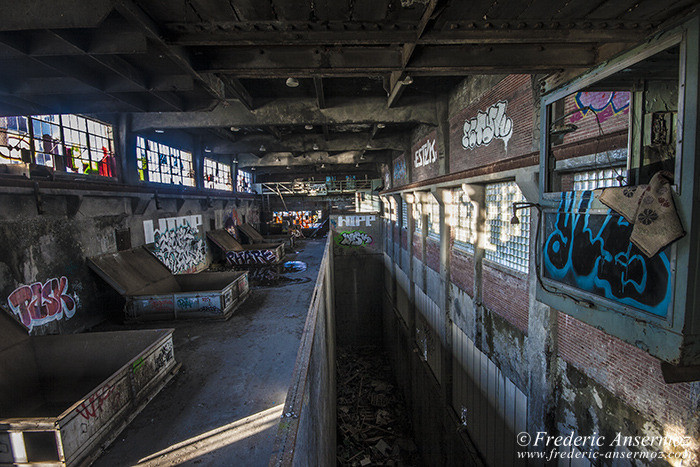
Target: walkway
pixel 222 408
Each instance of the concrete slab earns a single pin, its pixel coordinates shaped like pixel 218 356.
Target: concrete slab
pixel 224 405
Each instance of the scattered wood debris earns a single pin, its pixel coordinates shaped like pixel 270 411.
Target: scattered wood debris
pixel 374 427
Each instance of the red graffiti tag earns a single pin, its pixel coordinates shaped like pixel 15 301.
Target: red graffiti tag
pixel 39 303
pixel 92 406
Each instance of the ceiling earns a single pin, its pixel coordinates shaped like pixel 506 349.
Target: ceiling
pixel 368 71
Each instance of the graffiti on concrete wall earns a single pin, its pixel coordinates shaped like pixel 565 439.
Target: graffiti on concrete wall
pixel 231 223
pixel 38 303
pixel 354 238
pixel 592 252
pixel 604 104
pixel 487 126
pixel 426 154
pixel 178 242
pixel 400 175
pixel 92 407
pixel 355 221
pixel 261 257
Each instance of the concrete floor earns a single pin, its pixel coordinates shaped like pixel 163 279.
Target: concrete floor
pixel 222 408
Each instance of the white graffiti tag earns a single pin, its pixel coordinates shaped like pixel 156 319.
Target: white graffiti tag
pixel 426 154
pixel 180 249
pixel 487 126
pixel 354 238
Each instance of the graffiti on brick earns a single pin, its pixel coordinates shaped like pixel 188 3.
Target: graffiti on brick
pixel 602 104
pixel 426 154
pixel 177 242
pixel 260 257
pixel 487 126
pixel 400 169
pixel 592 252
pixel 38 303
pixel 354 238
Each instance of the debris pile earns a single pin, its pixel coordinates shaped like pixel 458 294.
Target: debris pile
pixel 373 424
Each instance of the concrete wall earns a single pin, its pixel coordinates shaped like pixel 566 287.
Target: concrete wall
pixel 538 368
pixel 306 434
pixel 75 225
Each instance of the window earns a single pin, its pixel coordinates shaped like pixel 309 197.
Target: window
pixel 592 179
pixel 506 244
pixel 159 163
pixel 433 214
pixel 67 142
pixel 303 219
pixel 463 220
pixel 404 214
pixel 217 175
pixel 244 182
pixel 418 215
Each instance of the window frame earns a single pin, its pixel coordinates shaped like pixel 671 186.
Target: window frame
pixel 519 265
pixel 162 151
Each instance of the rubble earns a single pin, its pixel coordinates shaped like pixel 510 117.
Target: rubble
pixel 373 424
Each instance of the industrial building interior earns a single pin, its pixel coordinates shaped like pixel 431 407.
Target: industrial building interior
pixel 358 232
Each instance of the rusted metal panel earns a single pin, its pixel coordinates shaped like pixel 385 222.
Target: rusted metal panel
pixel 90 386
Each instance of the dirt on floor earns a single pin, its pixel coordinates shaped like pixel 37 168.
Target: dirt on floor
pixel 374 427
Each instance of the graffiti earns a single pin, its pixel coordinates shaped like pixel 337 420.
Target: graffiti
pixel 164 356
pixel 354 238
pixel 39 303
pixel 603 104
pixel 426 154
pixel 251 257
pixel 137 364
pixel 185 303
pixel 355 221
pixel 169 223
pixel 231 223
pixel 592 252
pixel 180 249
pixel 399 169
pixel 487 126
pixel 158 305
pixel 243 285
pixel 92 406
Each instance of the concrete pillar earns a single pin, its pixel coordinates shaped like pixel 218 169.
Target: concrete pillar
pixel 443 198
pixel 443 134
pixel 477 196
pixel 126 151
pixel 198 161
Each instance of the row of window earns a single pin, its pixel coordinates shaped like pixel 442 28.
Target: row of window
pixel 506 244
pixel 77 144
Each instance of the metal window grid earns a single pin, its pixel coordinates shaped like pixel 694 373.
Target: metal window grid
pixel 404 214
pixel 244 182
pixel 506 244
pixel 85 145
pixel 463 220
pixel 433 212
pixel 598 178
pixel 159 163
pixel 217 175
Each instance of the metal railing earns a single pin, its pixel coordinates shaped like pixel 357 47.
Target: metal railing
pixel 316 188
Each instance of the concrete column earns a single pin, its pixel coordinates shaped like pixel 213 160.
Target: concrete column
pixel 443 134
pixel 410 199
pixel 477 196
pixel 126 151
pixel 441 195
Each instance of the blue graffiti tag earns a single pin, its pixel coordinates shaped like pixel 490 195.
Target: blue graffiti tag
pixel 593 252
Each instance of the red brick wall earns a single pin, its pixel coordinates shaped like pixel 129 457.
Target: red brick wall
pixel 506 295
pixel 613 117
pixel 516 90
pixel 626 371
pixel 429 169
pixel 432 254
pixel 462 271
pixel 417 249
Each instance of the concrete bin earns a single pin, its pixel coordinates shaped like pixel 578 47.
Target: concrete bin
pixel 64 398
pixel 152 292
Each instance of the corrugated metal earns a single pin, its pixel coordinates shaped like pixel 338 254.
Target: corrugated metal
pixel 491 407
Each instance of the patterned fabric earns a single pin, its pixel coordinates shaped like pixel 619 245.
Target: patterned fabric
pixel 652 211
